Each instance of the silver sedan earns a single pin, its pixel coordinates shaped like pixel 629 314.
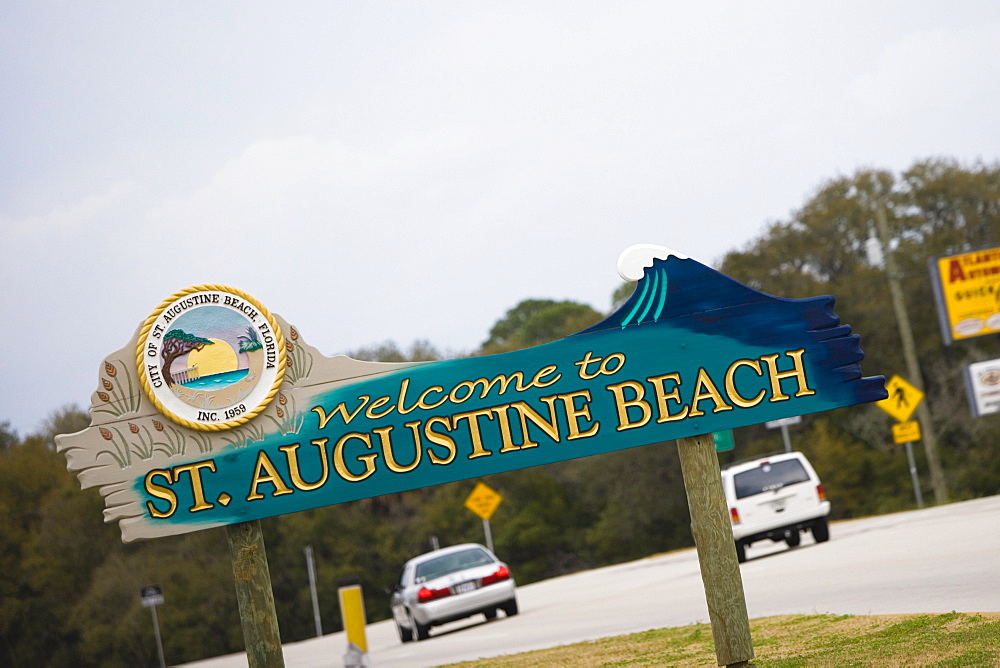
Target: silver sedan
pixel 449 584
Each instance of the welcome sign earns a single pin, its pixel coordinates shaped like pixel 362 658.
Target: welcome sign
pixel 223 414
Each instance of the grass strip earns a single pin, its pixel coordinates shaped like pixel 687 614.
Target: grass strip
pixel 948 640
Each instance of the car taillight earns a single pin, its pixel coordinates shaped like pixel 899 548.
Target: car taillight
pixel 426 594
pixel 734 515
pixel 503 573
pixel 820 493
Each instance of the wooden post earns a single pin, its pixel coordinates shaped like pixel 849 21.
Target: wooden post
pixel 253 592
pixel 713 538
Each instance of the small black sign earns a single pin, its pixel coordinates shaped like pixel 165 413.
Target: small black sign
pixel 151 595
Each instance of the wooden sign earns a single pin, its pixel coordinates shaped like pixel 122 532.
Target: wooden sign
pixel 218 412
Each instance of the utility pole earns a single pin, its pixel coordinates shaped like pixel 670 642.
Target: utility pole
pixel 311 569
pixel 910 356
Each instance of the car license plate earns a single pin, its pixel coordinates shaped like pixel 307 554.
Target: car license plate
pixel 465 587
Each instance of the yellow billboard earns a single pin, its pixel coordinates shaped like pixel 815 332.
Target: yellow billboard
pixel 968 293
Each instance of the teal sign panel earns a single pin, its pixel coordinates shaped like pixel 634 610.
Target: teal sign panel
pixel 691 352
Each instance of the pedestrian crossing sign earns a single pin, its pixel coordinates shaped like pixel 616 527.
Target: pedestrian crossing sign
pixel 903 399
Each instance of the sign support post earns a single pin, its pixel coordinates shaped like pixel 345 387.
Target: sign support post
pixel 913 474
pixel 483 501
pixel 152 596
pixel 902 401
pixel 311 568
pixel 159 643
pixel 713 538
pixel 254 595
pixel 783 423
pixel 488 534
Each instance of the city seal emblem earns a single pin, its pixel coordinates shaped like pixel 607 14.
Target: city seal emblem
pixel 210 357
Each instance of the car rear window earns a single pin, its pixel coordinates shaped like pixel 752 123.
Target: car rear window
pixel 769 476
pixel 449 563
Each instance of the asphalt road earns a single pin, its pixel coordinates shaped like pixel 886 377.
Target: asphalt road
pixel 935 560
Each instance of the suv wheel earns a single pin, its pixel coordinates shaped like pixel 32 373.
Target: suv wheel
pixel 741 551
pixel 792 538
pixel 821 530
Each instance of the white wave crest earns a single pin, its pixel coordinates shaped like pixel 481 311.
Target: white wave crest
pixel 634 259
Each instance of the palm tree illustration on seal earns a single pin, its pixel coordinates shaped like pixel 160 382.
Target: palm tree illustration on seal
pixel 250 342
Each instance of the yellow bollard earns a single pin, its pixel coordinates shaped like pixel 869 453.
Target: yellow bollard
pixel 352 613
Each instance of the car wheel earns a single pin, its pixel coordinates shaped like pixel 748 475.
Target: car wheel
pixel 793 538
pixel 420 631
pixel 741 552
pixel 491 614
pixel 821 530
pixel 405 634
pixel 510 607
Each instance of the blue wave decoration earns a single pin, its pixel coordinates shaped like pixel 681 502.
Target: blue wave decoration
pixel 701 300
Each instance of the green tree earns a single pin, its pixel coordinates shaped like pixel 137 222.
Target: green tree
pixel 637 503
pixel 199 617
pixel 52 539
pixel 621 294
pixel 536 321
pixel 66 420
pixel 936 207
pixel 8 435
pixel 389 351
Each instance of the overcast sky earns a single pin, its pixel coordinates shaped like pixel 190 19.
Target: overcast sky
pixel 407 170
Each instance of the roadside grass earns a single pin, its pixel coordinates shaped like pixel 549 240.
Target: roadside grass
pixel 943 640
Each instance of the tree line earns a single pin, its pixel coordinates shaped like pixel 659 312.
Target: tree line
pixel 69 589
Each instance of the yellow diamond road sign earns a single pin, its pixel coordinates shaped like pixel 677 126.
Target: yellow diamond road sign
pixel 903 399
pixel 483 501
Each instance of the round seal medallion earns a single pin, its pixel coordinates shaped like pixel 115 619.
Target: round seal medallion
pixel 211 357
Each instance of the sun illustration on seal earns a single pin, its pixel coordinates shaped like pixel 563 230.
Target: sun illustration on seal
pixel 219 357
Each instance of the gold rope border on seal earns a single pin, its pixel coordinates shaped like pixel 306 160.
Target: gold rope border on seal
pixel 249 415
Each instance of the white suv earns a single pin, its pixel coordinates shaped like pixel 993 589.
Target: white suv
pixel 775 497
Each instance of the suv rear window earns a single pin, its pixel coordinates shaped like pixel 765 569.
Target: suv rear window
pixel 769 476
